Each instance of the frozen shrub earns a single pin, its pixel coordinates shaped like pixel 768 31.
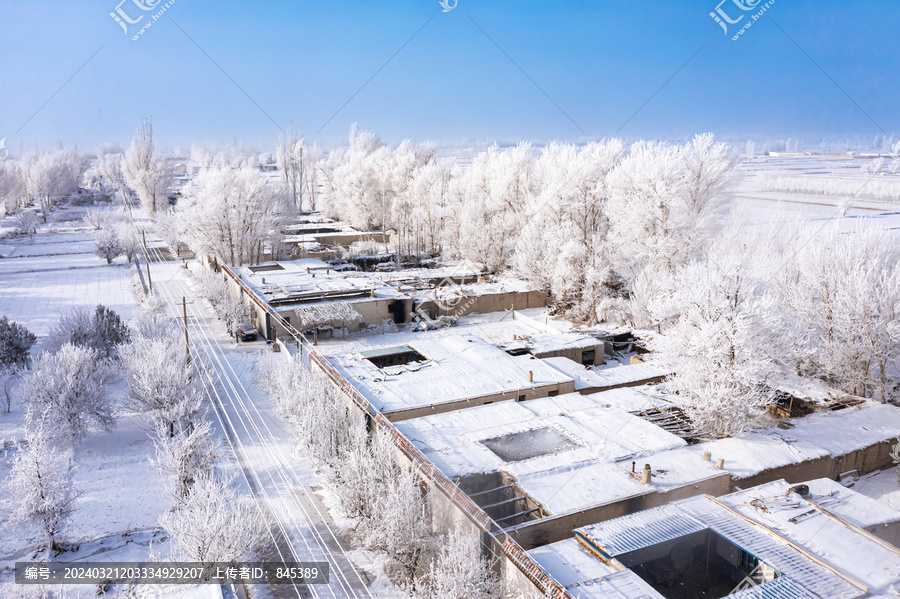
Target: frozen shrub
pixel 107 245
pixel 15 342
pixel 103 330
pixel 69 387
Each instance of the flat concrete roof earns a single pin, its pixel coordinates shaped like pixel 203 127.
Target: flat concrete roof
pixel 457 367
pixel 598 432
pixel 796 440
pixel 609 376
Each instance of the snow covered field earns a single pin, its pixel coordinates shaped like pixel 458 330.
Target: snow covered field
pixel 57 271
pixel 119 501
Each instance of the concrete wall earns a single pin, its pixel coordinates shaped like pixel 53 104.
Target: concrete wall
pixel 865 460
pixel 488 302
pixel 557 528
pixel 575 353
pixel 345 239
pixel 534 392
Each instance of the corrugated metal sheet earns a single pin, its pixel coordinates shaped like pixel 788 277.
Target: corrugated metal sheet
pixel 643 529
pixel 776 553
pixel 780 588
pixel 802 577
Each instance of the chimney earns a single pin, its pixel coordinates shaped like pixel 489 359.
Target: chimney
pixel 707 456
pixel 720 463
pixel 646 476
pixel 530 376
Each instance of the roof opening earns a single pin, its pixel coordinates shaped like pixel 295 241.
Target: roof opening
pixel 393 356
pixel 519 351
pixel 700 564
pixel 266 267
pixel 525 445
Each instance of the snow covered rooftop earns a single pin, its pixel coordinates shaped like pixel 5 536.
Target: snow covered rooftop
pixel 309 280
pixel 810 547
pixel 569 488
pixel 597 432
pixel 806 438
pixel 771 504
pixel 475 369
pixel 604 377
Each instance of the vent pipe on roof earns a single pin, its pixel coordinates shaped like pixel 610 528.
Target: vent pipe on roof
pixel 707 456
pixel 530 376
pixel 720 463
pixel 646 476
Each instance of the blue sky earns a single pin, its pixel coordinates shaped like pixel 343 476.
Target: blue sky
pixel 571 71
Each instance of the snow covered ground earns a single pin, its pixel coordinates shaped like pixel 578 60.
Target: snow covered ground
pixel 57 271
pixel 116 514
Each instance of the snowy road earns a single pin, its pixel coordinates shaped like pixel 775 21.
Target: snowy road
pixel 302 529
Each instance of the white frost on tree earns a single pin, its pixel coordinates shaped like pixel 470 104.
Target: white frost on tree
pixel 725 370
pixel 71 388
pixel 214 523
pixel 459 572
pixel 232 214
pixel 39 484
pixel 146 173
pixel 163 386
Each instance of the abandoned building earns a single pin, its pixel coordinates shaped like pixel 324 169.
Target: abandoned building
pixel 813 540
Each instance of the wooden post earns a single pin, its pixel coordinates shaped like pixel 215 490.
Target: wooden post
pixel 187 341
pixel 147 259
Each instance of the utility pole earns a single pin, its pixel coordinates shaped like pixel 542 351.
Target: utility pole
pixel 187 342
pixel 147 259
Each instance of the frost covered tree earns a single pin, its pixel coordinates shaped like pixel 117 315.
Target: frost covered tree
pixel 402 528
pixel 318 416
pixel 365 467
pixel 12 187
pixel 151 321
pixel 163 386
pixel 563 246
pixel 844 287
pixel 26 223
pixel 183 457
pixel 146 173
pixel 214 523
pixel 107 245
pixel 40 486
pixel 109 165
pixel 52 176
pixel 230 310
pixel 101 330
pixel 231 214
pixel 96 219
pixel 297 165
pixel 15 342
pixel 489 201
pixel 71 388
pixel 665 201
pixel 459 572
pixel 725 372
pixel 128 240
